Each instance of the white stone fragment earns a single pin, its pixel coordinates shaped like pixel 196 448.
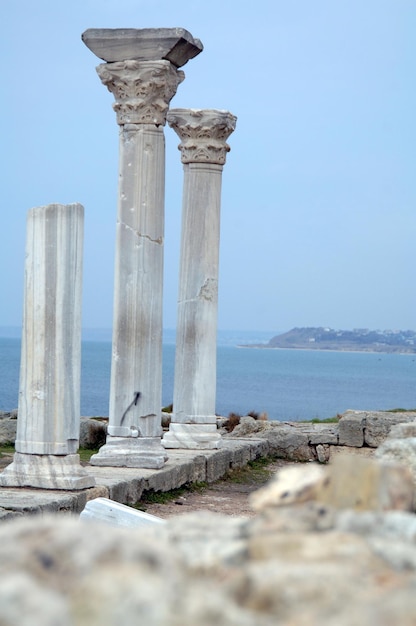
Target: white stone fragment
pixel 290 485
pixel 116 514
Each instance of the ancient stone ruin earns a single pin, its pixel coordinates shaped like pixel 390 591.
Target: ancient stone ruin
pixel 141 70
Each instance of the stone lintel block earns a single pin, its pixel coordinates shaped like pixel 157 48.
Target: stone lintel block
pixel 379 424
pixel 351 429
pixel 145 452
pixel 142 44
pixel 46 471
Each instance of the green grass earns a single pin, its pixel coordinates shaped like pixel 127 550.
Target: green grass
pixel 256 471
pixel 164 497
pixel 327 420
pixel 86 453
pixel 9 449
pixel 400 410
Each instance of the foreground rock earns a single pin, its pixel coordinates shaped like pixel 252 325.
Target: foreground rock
pixel 301 561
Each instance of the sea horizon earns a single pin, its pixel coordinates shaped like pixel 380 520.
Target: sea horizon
pixel 287 384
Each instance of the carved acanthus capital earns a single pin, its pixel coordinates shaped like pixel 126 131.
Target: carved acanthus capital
pixel 203 133
pixel 142 89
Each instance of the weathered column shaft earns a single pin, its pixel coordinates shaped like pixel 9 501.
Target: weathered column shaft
pixel 203 134
pixel 49 395
pixel 138 297
pixel 50 370
pixel 195 358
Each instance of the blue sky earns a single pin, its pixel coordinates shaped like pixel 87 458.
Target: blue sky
pixel 318 219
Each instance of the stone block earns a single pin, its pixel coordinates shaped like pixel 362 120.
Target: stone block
pixel 365 484
pixel 6 514
pixel 404 430
pixel 286 441
pixel 323 453
pixel 176 473
pixel 258 448
pixel 144 44
pixel 143 452
pixel 351 429
pixel 240 449
pixel 116 514
pixel 46 471
pixel 92 433
pixel 323 434
pixel 290 485
pixel 218 463
pixel 378 425
pixel 7 431
pixel 399 451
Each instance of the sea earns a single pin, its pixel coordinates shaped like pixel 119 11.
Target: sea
pixel 288 385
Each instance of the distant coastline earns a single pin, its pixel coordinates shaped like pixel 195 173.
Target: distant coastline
pixel 357 340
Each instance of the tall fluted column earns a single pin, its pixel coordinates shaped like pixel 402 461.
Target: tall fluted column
pixel 203 147
pixel 143 82
pixel 49 394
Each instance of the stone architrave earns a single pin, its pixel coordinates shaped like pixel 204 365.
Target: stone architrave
pixel 141 72
pixel 203 147
pixel 49 395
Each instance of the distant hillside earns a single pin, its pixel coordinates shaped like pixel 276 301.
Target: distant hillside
pixel 352 340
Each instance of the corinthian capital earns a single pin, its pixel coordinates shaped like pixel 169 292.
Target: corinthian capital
pixel 203 133
pixel 142 89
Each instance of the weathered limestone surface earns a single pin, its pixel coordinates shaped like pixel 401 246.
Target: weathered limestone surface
pixel 203 147
pixel 379 424
pixel 142 74
pixel 49 391
pixel 351 429
pixel 8 429
pixel 400 446
pixel 92 432
pixel 303 563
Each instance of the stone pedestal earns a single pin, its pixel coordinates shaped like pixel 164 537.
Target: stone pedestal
pixel 142 74
pixel 49 395
pixel 203 151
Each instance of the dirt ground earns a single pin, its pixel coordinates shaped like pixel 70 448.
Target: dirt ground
pixel 229 496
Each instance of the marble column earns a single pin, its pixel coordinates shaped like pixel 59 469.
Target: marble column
pixel 203 147
pixel 49 395
pixel 141 72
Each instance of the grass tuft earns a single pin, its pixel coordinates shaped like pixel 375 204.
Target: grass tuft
pixel 164 497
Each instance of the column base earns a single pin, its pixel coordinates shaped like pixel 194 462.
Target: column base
pixel 146 452
pixel 46 471
pixel 192 436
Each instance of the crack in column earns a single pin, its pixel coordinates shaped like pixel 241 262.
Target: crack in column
pixel 139 235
